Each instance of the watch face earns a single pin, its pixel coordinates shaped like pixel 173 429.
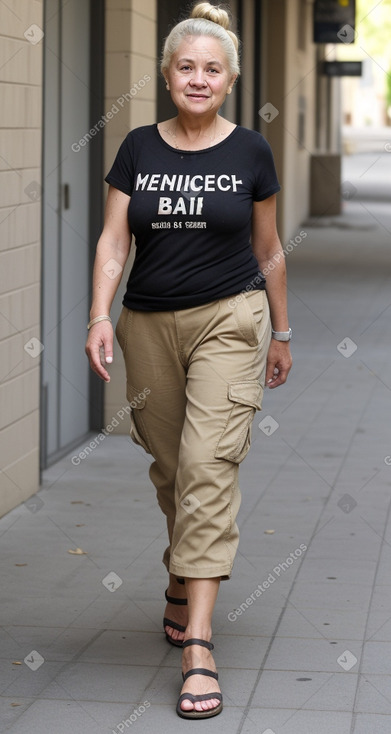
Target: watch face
pixel 282 336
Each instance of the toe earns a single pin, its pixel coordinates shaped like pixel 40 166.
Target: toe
pixel 187 705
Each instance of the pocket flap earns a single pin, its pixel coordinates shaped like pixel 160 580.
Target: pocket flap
pixel 248 392
pixel 135 397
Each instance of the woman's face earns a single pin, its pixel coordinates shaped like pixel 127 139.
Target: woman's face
pixel 198 76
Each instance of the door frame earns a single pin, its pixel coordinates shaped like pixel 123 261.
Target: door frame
pixel 95 214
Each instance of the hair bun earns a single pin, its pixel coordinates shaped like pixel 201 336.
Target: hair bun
pixel 215 13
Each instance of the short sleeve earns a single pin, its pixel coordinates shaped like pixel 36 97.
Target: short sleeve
pixel 266 181
pixel 121 174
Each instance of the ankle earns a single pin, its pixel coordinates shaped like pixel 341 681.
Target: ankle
pixel 175 589
pixel 202 632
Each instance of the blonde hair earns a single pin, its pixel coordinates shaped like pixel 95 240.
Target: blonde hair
pixel 205 20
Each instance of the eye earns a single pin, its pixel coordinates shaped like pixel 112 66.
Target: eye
pixel 185 67
pixel 215 71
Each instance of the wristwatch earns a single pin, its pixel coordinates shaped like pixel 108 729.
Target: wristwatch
pixel 282 336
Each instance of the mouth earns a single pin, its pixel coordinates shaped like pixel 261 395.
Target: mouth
pixel 198 96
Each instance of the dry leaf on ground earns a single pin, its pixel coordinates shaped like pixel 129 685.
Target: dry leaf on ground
pixel 77 552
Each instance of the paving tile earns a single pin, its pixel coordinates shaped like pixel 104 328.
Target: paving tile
pixel 127 648
pixel 53 643
pixel 377 658
pixel 331 624
pixel 63 717
pixel 379 723
pixel 379 625
pixel 87 611
pixel 331 595
pixel 374 694
pixel 327 570
pixel 11 708
pixel 381 599
pixel 100 682
pixel 303 690
pixel 311 655
pixel 239 652
pixel 294 721
pixel 23 682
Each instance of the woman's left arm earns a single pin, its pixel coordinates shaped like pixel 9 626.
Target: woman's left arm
pixel 271 260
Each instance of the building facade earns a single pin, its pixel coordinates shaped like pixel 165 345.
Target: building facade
pixel 75 77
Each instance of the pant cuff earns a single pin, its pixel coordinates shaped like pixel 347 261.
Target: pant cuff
pixel 208 572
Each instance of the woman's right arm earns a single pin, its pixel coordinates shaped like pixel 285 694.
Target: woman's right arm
pixel 111 255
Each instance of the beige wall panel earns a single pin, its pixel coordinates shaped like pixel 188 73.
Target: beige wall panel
pixel 19 267
pixel 144 7
pixel 19 310
pixel 20 148
pixel 20 481
pixel 20 225
pixel 143 36
pixel 20 62
pixel 19 439
pixel 118 73
pixel 117 32
pixel 16 360
pixel 117 5
pixel 20 214
pixel 143 113
pixel 19 396
pixel 21 106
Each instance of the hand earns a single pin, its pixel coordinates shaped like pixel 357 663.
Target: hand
pixel 100 340
pixel 279 362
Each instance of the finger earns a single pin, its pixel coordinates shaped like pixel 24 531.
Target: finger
pixel 270 376
pixel 93 353
pixel 280 376
pixel 107 348
pixel 98 367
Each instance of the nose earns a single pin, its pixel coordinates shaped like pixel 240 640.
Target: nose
pixel 198 79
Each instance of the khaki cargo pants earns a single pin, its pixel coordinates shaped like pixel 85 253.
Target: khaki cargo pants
pixel 195 378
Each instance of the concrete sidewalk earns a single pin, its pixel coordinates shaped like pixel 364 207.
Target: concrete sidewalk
pixel 312 652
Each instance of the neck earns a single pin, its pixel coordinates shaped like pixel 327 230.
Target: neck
pixel 191 128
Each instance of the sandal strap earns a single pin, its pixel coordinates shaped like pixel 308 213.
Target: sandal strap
pixel 200 671
pixel 196 641
pixel 201 697
pixel 174 600
pixel 174 625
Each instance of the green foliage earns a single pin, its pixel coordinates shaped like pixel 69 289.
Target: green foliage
pixel 374 28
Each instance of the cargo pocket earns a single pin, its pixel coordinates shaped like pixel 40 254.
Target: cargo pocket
pixel 234 442
pixel 137 399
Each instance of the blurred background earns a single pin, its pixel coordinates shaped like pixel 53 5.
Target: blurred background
pixel 75 77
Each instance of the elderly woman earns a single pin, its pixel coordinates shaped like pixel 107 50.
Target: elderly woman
pixel 198 193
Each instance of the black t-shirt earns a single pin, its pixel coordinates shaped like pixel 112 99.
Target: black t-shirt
pixel 190 212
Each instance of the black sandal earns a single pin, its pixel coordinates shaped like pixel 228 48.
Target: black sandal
pixel 170 623
pixel 193 714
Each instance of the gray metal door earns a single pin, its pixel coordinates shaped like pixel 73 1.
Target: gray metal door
pixel 65 272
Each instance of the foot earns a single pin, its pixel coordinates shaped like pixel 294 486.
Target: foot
pixel 175 612
pixel 196 656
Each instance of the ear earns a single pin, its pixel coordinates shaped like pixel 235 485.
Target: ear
pixel 231 84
